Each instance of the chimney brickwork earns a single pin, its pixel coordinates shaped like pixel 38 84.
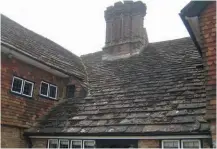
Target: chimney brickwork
pixel 125 35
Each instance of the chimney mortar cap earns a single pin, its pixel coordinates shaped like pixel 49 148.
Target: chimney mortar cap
pixel 109 8
pixel 128 0
pixel 118 4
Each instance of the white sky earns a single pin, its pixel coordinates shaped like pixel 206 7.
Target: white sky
pixel 79 25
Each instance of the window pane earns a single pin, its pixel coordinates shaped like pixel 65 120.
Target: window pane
pixel 193 144
pixel 27 88
pixel 53 143
pixel 64 144
pixel 170 144
pixel 76 144
pixel 52 91
pixel 44 89
pixel 17 85
pixel 89 144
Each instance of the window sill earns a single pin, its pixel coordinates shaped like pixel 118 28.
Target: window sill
pixel 41 96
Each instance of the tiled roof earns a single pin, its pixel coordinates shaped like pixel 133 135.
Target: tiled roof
pixel 40 48
pixel 161 90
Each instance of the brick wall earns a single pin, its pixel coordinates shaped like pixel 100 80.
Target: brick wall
pixel 39 143
pixel 149 144
pixel 207 21
pixel 12 137
pixel 21 111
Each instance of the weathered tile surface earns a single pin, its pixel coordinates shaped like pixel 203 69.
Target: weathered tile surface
pixel 160 90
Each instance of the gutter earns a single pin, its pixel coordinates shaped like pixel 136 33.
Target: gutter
pixel 28 55
pixel 125 137
pixel 190 31
pixel 193 9
pixel 116 134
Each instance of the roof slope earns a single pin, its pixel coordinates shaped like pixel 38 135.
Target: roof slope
pixel 40 48
pixel 161 90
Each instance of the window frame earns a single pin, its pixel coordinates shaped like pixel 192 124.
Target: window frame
pixel 22 86
pixel 89 140
pixel 76 140
pixel 47 89
pixel 63 140
pixel 162 143
pixel 12 85
pixel 55 92
pixel 188 140
pixel 24 81
pixel 49 144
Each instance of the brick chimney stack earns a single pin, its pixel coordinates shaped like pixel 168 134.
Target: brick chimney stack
pixel 125 35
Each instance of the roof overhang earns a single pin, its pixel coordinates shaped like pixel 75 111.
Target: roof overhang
pixel 127 137
pixel 119 135
pixel 9 49
pixel 189 15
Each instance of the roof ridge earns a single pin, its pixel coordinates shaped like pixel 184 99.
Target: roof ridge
pixel 163 41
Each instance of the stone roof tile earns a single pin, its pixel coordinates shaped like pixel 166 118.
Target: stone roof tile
pixel 159 90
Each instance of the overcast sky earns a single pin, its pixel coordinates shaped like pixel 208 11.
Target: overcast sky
pixel 79 25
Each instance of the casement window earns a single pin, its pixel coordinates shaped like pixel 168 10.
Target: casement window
pixel 53 143
pixel 63 143
pixel 22 87
pixel 181 144
pixel 88 144
pixel 72 144
pixel 52 91
pixel 167 144
pixel 190 144
pixel 44 89
pixel 48 90
pixel 76 144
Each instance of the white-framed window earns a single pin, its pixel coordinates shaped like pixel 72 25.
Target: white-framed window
pixel 72 144
pixel 63 143
pixel 181 144
pixel 48 90
pixel 193 144
pixel 53 143
pixel 44 89
pixel 22 86
pixel 52 91
pixel 89 144
pixel 168 144
pixel 76 144
pixel 28 88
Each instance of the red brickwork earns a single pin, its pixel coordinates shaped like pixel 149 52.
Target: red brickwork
pixel 148 143
pixel 208 35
